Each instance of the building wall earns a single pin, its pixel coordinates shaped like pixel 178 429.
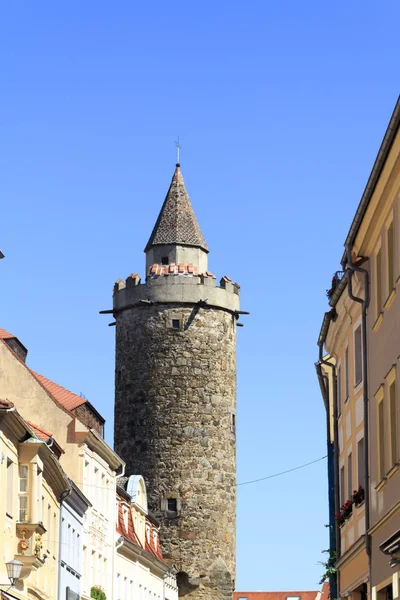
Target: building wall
pixel 43 506
pixel 19 386
pixel 342 346
pixel 175 424
pixel 71 550
pixel 98 483
pixel 379 239
pixel 136 580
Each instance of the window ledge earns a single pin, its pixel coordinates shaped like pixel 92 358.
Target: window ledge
pixel 389 299
pixel 393 470
pixel 378 322
pixel 381 484
pixel 360 506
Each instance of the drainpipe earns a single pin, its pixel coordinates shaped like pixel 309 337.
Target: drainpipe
pixel 324 382
pixel 321 361
pixel 365 302
pixel 63 496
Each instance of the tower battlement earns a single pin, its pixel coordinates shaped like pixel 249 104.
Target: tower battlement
pixel 176 283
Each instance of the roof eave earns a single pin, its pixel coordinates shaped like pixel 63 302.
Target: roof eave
pixel 379 163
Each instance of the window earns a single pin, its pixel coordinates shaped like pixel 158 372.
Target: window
pixel 360 463
pixel 381 441
pixel 393 423
pixel 357 356
pixel 172 505
pixel 346 374
pixel 342 496
pixel 48 527
pixel 378 268
pixel 164 260
pixel 243 598
pixel 339 392
pixel 350 476
pixel 10 488
pixel 233 423
pixel 390 257
pixel 125 514
pixel 23 473
pixel 176 324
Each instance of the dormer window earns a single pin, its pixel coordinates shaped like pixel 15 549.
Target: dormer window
pixel 125 512
pixel 164 260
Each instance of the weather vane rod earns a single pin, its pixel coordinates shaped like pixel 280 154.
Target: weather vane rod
pixel 178 150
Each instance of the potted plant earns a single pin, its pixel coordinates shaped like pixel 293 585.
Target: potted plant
pixel 345 512
pixel 359 496
pixel 97 593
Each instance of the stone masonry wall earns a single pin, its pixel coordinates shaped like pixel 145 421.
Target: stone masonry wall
pixel 175 397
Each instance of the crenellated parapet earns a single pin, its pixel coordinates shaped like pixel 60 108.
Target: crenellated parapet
pixel 176 283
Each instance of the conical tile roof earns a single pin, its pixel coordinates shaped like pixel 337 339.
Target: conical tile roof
pixel 177 223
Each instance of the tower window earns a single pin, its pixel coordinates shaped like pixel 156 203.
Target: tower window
pixel 164 260
pixel 233 423
pixel 176 324
pixel 172 505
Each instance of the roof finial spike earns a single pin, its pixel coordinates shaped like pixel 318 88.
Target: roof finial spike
pixel 178 151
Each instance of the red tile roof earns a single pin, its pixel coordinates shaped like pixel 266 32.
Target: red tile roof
pixel 130 534
pixel 67 399
pixel 5 335
pixel 308 595
pixel 41 433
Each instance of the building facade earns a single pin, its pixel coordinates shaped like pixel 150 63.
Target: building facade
pixel 341 337
pixel 32 483
pixel 79 525
pixel 73 509
pixel 362 337
pixel 323 594
pixel 175 415
pixel 141 571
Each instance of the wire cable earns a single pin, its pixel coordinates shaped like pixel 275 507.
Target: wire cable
pixel 282 472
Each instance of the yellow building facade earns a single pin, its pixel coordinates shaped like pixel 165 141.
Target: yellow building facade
pixel 32 482
pixel 362 334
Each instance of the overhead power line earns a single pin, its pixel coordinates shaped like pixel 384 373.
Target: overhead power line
pixel 282 472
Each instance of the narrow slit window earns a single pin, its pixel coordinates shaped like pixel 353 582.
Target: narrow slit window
pixel 10 488
pixel 164 260
pixel 390 250
pixel 393 423
pixel 381 440
pixel 360 463
pixel 23 492
pixel 350 476
pixel 341 486
pixel 378 268
pixel 357 356
pixel 339 392
pixel 176 324
pixel 233 423
pixel 172 505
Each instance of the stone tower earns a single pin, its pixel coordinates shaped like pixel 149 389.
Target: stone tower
pixel 175 397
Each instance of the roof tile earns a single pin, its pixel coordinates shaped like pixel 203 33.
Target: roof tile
pixel 67 399
pixel 177 223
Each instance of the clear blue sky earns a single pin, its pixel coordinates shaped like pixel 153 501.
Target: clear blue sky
pixel 280 107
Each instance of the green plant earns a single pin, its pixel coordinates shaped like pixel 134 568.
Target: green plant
pixel 97 593
pixel 329 565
